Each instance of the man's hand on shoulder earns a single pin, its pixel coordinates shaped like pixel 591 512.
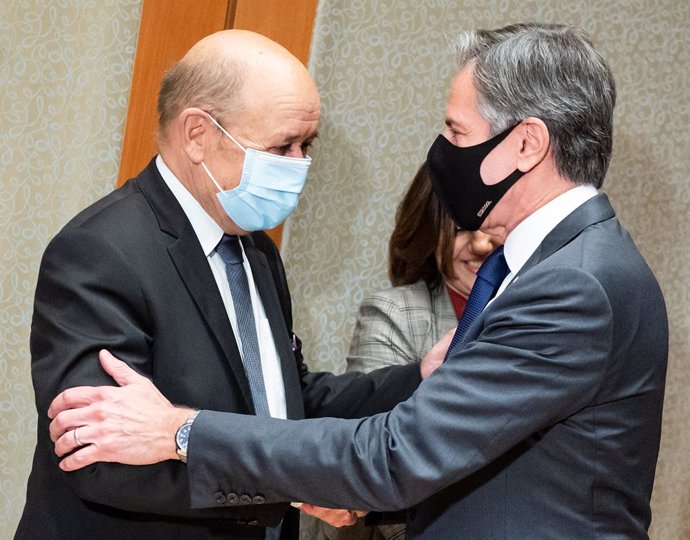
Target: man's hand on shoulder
pixel 132 424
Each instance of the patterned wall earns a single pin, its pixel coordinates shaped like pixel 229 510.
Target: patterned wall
pixel 65 70
pixel 383 70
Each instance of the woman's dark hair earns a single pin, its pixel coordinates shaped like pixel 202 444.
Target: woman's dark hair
pixel 421 226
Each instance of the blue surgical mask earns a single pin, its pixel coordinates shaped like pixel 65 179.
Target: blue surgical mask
pixel 268 191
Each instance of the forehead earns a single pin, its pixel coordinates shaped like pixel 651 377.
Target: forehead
pixel 463 97
pixel 282 111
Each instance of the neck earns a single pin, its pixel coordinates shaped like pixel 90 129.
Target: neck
pixel 526 197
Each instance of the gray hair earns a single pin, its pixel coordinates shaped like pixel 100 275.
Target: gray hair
pixel 213 85
pixel 551 72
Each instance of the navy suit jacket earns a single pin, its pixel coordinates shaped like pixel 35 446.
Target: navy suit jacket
pixel 544 425
pixel 129 274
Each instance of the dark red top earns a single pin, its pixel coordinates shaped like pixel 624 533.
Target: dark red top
pixel 459 302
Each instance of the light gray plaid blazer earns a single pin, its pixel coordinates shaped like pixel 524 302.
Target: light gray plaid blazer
pixel 399 326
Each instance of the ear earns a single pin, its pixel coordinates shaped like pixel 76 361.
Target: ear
pixel 194 125
pixel 534 145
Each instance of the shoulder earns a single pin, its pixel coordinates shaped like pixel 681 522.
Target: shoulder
pixel 416 297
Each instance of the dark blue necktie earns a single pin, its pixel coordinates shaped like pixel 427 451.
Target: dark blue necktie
pixel 230 251
pixel 490 275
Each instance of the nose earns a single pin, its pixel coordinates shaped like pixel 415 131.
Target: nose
pixel 481 244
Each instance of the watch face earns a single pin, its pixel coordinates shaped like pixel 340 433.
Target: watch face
pixel 182 438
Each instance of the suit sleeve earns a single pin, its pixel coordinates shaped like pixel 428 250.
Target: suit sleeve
pixel 88 298
pixel 540 357
pixel 382 338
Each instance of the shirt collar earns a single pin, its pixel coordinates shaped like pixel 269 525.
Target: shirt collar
pixel 206 229
pixel 524 240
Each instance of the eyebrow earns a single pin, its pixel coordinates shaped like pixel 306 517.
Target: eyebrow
pixel 293 138
pixel 450 122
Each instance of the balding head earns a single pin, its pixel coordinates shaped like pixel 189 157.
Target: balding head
pixel 227 73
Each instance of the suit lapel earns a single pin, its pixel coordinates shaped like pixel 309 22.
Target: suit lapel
pixel 193 268
pixel 263 280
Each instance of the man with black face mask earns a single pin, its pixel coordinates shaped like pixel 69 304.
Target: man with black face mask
pixel 544 421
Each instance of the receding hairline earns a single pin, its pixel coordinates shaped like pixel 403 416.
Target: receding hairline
pixel 241 56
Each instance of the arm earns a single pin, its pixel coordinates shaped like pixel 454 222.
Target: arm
pixel 88 296
pixel 549 349
pixel 540 358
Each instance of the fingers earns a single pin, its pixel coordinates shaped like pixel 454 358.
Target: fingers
pixel 86 455
pixel 68 441
pixel 69 419
pixel 434 358
pixel 118 370
pixel 73 398
pixel 334 517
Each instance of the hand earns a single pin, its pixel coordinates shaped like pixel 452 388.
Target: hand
pixel 133 424
pixel 434 358
pixel 334 517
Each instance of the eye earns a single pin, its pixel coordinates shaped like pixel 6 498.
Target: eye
pixel 280 150
pixel 305 148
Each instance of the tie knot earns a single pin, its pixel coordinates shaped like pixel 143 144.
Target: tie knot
pixel 230 250
pixel 494 269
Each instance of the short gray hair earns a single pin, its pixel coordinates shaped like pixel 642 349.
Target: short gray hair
pixel 551 72
pixel 213 85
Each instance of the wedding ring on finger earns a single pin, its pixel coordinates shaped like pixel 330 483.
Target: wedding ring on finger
pixel 76 437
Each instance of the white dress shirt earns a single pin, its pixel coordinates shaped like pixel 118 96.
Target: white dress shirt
pixel 524 240
pixel 210 234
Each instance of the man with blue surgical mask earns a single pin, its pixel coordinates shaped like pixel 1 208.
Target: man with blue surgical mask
pixel 173 274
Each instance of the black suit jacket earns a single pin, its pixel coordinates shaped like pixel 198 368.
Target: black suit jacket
pixel 129 274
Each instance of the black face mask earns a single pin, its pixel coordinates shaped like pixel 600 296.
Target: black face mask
pixel 458 184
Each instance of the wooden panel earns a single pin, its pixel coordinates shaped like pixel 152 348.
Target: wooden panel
pixel 167 31
pixel 288 23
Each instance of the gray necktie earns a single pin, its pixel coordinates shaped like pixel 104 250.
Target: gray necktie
pixel 230 251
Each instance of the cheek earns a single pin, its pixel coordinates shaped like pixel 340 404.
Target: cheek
pixel 499 164
pixel 461 246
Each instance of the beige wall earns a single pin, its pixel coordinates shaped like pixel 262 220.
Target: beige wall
pixel 65 70
pixel 383 71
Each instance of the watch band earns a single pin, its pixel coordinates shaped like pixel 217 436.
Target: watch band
pixel 182 437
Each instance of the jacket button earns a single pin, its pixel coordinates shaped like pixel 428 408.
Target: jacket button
pixel 258 499
pixel 245 499
pixel 233 498
pixel 219 497
pixel 253 522
pixel 412 513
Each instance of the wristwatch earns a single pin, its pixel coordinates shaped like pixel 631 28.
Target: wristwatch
pixel 182 437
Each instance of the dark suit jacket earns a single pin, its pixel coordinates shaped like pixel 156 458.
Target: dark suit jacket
pixel 544 425
pixel 129 274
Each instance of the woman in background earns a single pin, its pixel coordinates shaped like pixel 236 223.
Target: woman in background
pixel 432 266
